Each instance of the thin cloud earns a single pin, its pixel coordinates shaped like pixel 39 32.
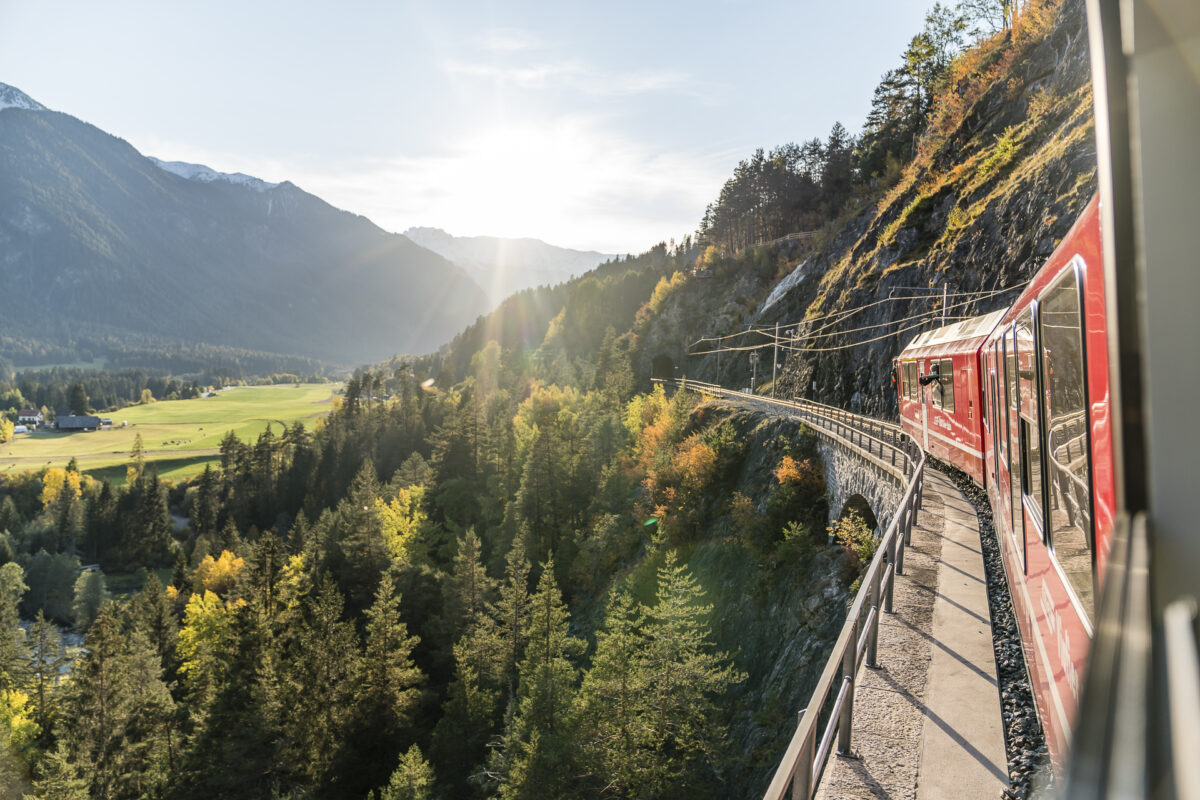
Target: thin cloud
pixel 507 40
pixel 575 76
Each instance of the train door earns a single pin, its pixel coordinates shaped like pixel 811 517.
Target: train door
pixel 1028 418
pixel 1016 519
pixel 924 397
pixel 993 413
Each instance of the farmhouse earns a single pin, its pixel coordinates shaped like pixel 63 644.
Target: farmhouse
pixel 77 423
pixel 29 416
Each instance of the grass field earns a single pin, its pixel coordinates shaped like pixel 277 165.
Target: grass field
pixel 179 436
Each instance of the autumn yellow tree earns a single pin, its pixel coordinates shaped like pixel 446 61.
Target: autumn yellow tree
pixel 218 575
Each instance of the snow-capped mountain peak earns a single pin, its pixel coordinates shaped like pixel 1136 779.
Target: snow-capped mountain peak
pixel 12 97
pixel 203 174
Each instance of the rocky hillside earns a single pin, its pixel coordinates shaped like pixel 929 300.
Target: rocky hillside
pixel 1004 168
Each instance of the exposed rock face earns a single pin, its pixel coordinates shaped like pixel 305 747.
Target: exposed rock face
pixel 1015 217
pixel 989 202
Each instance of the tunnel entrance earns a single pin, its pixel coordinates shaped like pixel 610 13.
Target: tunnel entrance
pixel 663 366
pixel 858 504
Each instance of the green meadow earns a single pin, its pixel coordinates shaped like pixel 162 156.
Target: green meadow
pixel 179 436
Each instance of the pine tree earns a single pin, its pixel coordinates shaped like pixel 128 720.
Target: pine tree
pixel 151 614
pixel 318 689
pixel 59 779
pixel 46 660
pixel 206 504
pixel 387 693
pixel 120 711
pixel 412 780
pixel 539 751
pixel 512 610
pixel 612 709
pixel 12 660
pixel 684 676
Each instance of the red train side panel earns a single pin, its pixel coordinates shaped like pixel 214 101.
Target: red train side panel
pixel 1040 442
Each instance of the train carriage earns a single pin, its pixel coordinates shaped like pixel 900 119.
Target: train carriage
pixel 939 385
pixel 1018 400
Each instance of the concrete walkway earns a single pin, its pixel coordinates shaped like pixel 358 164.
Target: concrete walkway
pixel 927 723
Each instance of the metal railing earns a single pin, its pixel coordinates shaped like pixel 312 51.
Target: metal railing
pixel 885 446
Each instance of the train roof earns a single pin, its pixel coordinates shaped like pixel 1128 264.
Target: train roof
pixel 964 336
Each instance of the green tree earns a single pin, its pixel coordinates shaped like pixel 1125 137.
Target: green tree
pixel 12 661
pixel 151 614
pixel 686 675
pixel 412 780
pixel 318 688
pixel 46 660
pixel 58 778
pixel 538 752
pixel 647 707
pixel 91 592
pixel 78 399
pixel 613 714
pixel 387 692
pixel 120 711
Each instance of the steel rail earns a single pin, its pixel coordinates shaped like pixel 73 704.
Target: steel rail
pixel 883 445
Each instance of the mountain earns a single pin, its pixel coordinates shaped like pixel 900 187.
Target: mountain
pixel 98 241
pixel 505 266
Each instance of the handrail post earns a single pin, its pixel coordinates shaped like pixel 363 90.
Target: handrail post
pixel 910 517
pixel 894 557
pixel 849 667
pixel 873 635
pixel 901 533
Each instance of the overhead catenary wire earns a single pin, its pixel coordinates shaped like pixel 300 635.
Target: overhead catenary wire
pixel 751 347
pixel 787 342
pixel 838 316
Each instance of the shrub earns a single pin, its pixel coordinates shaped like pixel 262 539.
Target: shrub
pixel 853 534
pixel 1002 153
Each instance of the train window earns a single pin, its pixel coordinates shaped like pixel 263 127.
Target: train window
pixel 1067 435
pixel 1031 450
pixel 984 405
pixel 946 381
pixel 910 380
pixel 1013 434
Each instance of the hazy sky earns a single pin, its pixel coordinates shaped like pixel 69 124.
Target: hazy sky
pixel 601 125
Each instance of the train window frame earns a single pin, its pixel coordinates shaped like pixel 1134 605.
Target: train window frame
pixel 946 379
pixel 909 378
pixel 1012 440
pixel 1075 272
pixel 995 407
pixel 1029 416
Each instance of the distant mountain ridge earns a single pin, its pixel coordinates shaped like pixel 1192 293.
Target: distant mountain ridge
pixel 94 236
pixel 504 266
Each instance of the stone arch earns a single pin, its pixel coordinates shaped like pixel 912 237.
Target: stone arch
pixel 856 503
pixel 663 366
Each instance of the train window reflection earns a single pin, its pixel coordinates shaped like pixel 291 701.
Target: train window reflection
pixel 1031 453
pixel 946 382
pixel 1067 435
pixel 1016 518
pixel 911 389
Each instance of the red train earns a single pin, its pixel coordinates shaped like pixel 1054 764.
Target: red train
pixel 1019 400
